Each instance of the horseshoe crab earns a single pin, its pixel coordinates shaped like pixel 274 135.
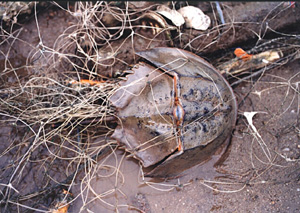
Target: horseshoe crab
pixel 174 111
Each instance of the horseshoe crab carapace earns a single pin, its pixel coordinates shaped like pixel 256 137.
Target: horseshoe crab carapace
pixel 174 111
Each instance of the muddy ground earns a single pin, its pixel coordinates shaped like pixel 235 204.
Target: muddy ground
pixel 259 171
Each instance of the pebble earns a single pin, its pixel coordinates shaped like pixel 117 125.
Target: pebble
pixel 286 149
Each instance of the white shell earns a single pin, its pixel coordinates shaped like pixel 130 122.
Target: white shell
pixel 195 18
pixel 176 18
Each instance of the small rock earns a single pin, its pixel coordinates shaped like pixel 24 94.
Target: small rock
pixel 286 149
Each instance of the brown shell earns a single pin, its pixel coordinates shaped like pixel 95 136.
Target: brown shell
pixel 145 104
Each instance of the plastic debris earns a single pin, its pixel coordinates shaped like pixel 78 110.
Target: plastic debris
pixel 220 12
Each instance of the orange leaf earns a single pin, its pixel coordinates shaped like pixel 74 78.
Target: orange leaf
pixel 240 53
pixel 61 210
pixel 90 82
